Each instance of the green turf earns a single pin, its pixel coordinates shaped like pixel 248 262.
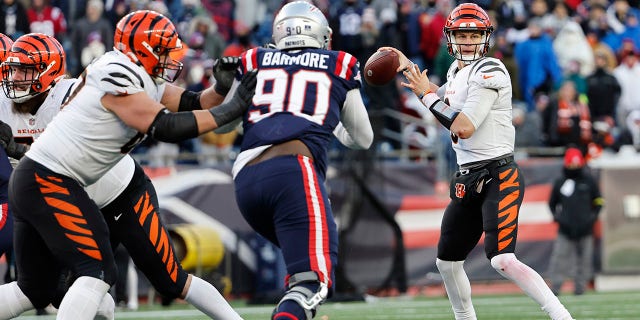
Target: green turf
pixel 590 306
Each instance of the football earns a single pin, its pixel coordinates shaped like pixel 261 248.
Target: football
pixel 381 67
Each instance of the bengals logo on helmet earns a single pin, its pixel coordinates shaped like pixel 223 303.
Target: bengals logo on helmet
pixel 34 64
pixel 147 38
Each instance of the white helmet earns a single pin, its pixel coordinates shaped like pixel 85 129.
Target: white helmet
pixel 300 24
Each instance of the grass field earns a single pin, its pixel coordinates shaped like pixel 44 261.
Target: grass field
pixel 590 306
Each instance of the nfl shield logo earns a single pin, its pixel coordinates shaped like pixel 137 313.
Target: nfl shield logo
pixel 32 121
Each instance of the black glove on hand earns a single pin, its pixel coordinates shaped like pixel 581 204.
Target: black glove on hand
pixel 13 149
pixel 223 71
pixel 6 134
pixel 240 101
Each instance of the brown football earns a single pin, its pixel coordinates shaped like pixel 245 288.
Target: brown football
pixel 381 67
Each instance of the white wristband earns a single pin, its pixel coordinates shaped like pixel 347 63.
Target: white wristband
pixel 429 99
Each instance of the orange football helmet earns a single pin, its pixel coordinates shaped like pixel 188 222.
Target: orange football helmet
pixel 34 64
pixel 468 17
pixel 5 46
pixel 147 38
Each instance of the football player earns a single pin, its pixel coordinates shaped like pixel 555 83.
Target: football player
pixel 305 94
pixel 487 191
pixel 6 221
pixel 105 117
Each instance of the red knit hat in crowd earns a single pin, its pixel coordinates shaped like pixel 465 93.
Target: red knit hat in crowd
pixel 573 158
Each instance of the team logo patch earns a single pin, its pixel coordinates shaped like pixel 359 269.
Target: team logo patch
pixel 460 190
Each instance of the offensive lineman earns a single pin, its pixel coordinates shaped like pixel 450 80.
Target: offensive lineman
pixel 486 194
pixel 116 193
pixel 108 113
pixel 304 90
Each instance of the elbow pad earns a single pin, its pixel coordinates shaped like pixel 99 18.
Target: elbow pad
pixel 189 101
pixel 173 127
pixel 443 113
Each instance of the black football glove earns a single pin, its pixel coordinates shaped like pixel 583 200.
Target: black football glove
pixel 223 71
pixel 13 149
pixel 240 101
pixel 6 134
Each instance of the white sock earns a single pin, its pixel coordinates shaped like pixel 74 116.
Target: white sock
pixel 106 309
pixel 82 300
pixel 458 288
pixel 132 286
pixel 531 283
pixel 206 298
pixel 13 302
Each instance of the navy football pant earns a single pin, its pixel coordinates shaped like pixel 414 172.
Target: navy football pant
pixel 6 220
pixel 284 201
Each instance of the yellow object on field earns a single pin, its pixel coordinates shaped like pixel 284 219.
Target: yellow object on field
pixel 197 247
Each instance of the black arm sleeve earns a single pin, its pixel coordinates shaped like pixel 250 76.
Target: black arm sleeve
pixel 173 127
pixel 189 101
pixel 443 113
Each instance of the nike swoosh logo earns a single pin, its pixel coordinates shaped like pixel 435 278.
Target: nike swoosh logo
pixel 488 180
pixel 484 76
pixel 117 217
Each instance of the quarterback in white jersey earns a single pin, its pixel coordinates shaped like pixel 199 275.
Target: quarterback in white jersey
pixel 487 190
pixel 121 97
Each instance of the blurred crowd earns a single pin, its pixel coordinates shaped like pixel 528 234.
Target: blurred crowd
pixel 573 64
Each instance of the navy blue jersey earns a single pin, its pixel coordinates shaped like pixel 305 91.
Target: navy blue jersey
pixel 5 172
pixel 299 95
pixel 6 221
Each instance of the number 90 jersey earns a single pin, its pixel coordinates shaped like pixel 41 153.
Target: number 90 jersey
pixel 299 95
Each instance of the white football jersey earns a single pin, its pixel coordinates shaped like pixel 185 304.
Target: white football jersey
pixel 28 127
pixel 495 134
pixel 85 139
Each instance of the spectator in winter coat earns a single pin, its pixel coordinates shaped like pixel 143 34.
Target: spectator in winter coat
pixel 575 203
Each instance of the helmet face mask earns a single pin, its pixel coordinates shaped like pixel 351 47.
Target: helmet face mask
pixel 34 64
pixel 299 24
pixel 147 38
pixel 467 50
pixel 21 81
pixel 468 19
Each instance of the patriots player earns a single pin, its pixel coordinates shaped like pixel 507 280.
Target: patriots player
pixel 6 220
pixel 305 94
pixel 120 97
pixel 475 105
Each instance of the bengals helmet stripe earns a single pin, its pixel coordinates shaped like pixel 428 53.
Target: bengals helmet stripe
pixel 5 46
pixel 147 37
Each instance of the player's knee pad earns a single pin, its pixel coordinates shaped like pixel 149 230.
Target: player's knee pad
pixel 502 261
pixel 308 299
